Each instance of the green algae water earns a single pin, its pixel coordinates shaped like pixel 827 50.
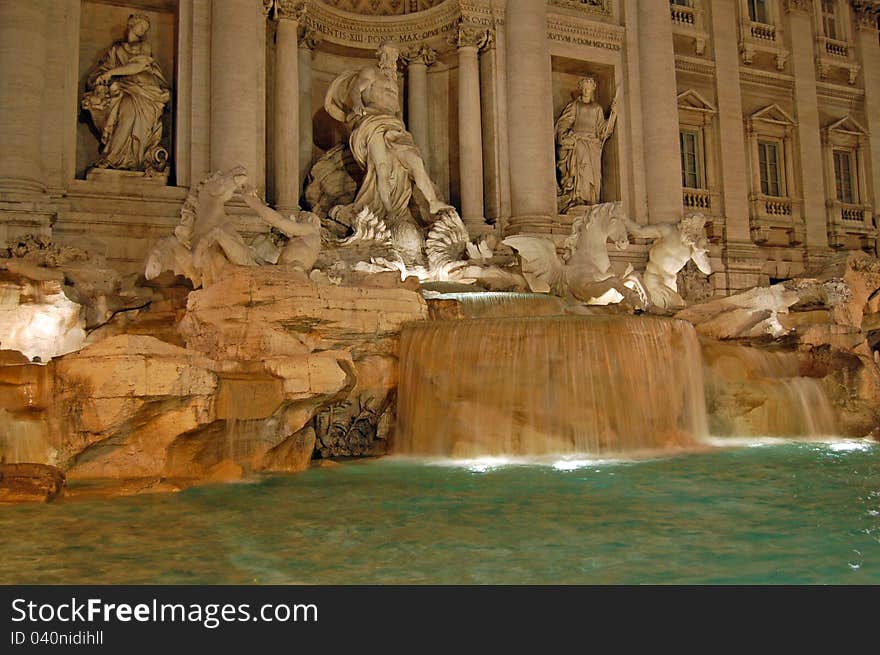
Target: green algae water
pixel 784 513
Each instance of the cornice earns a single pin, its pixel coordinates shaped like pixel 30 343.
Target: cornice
pixel 766 78
pixel 565 29
pixel 687 64
pixel 359 31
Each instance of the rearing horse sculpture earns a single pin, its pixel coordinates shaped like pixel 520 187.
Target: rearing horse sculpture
pixel 585 273
pixel 205 240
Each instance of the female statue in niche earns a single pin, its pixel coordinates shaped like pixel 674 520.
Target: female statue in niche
pixel 126 95
pixel 581 133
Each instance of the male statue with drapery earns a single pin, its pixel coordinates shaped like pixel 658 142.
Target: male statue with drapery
pixel 581 132
pixel 126 95
pixel 368 101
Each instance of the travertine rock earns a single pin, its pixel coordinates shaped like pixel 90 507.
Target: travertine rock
pixel 29 482
pixel 829 319
pixel 256 313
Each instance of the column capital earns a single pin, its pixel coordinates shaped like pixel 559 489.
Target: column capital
pixel 309 39
pixel 285 9
pixel 490 41
pixel 866 15
pixel 420 54
pixel 805 6
pixel 468 37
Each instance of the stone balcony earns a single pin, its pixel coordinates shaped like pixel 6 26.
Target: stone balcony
pixel 688 22
pixel 762 38
pixel 708 203
pixel 836 56
pixel 776 220
pixel 851 226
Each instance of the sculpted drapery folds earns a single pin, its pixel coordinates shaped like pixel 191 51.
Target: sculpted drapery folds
pixel 368 101
pixel 581 133
pixel 126 95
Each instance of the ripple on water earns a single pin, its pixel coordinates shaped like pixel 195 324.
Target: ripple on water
pixel 782 513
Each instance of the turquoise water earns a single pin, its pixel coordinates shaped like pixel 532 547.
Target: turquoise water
pixel 793 513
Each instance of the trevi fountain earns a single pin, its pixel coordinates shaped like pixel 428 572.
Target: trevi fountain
pixel 359 385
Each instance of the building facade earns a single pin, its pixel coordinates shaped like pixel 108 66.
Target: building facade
pixel 762 114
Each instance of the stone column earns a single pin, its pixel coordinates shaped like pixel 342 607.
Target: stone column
pixel 869 57
pixel 308 41
pixel 417 62
pixel 470 131
pixel 742 259
pixel 660 113
pixel 238 33
pixel 530 132
pixel 803 64
pixel 286 169
pixel 23 25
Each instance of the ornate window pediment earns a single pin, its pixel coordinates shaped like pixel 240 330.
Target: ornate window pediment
pixel 847 192
pixel 776 216
pixel 693 101
pixel 696 120
pixel 773 114
pixel 847 126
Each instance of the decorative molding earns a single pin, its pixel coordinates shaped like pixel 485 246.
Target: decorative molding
pixel 382 7
pixel 468 37
pixel 692 100
pixel 837 93
pixel 290 9
pixel 308 38
pixel 772 114
pixel 563 29
pixel 805 6
pixel 766 78
pixel 866 13
pixel 490 41
pixel 348 29
pixel 686 64
pixel 600 7
pixel 420 54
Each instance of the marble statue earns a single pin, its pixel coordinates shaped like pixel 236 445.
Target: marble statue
pixel 586 272
pixel 675 246
pixel 126 95
pixel 206 239
pixel 581 132
pixel 367 100
pixel 303 232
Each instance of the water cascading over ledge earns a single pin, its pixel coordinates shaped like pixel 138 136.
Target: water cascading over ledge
pixel 549 385
pixel 756 393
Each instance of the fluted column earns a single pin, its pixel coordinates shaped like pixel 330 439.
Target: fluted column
pixel 470 130
pixel 22 80
pixel 741 260
pixel 308 41
pixel 869 57
pixel 803 63
pixel 417 62
pixel 660 113
pixel 237 43
pixel 286 170
pixel 530 133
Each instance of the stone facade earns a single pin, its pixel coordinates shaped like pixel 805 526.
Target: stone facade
pixel 764 116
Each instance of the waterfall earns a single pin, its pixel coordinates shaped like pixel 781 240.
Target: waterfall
pixel 753 392
pixel 23 439
pixel 504 304
pixel 549 385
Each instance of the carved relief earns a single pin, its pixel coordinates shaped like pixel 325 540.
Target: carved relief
pixel 382 7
